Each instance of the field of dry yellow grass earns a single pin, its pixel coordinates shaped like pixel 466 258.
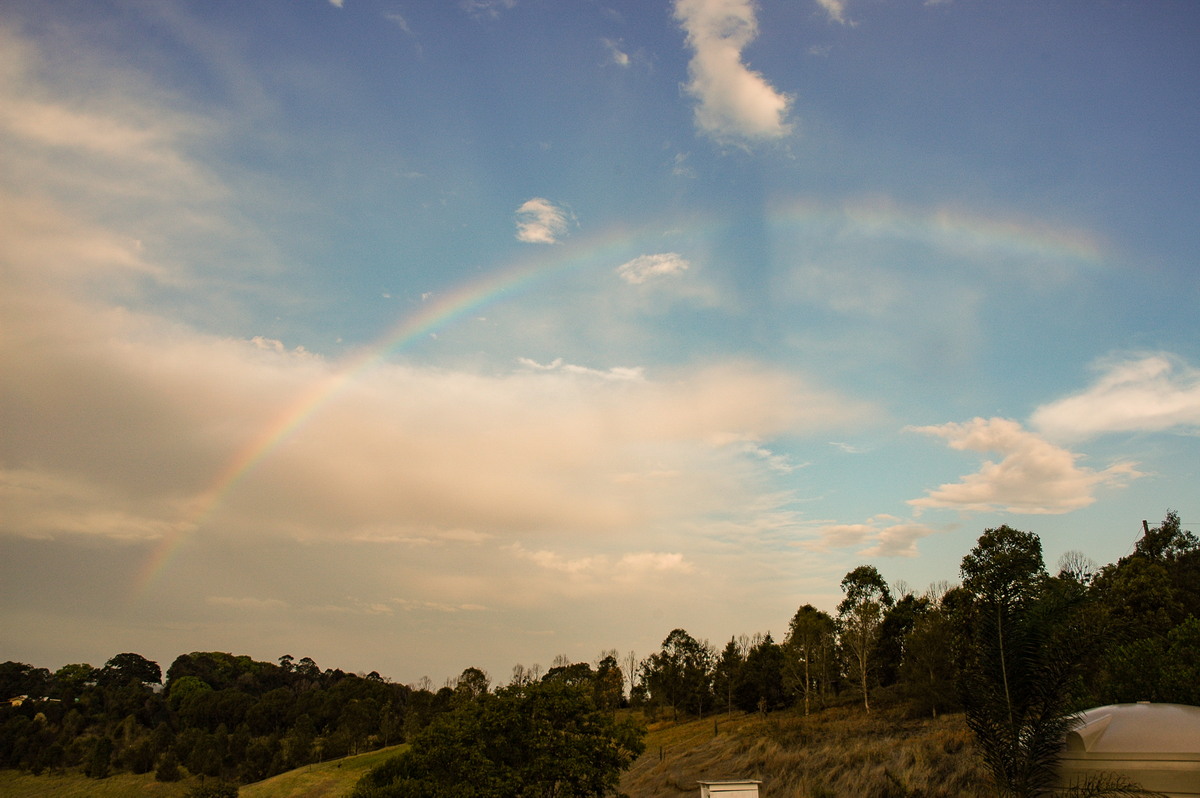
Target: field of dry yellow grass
pixel 838 752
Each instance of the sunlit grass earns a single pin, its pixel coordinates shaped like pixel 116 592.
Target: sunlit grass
pixel 327 780
pixel 332 779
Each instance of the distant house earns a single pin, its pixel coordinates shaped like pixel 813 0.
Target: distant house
pixel 744 788
pixel 18 700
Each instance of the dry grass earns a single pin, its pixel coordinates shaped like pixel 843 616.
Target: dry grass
pixel 838 752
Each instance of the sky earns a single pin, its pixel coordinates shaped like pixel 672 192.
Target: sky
pixel 416 336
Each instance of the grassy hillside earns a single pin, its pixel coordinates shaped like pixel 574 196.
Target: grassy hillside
pixel 75 785
pixel 839 752
pixel 326 780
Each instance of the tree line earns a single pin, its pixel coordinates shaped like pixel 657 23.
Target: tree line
pixel 1014 646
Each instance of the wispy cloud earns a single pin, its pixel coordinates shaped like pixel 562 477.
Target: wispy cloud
pixel 1034 476
pixel 487 9
pixel 734 103
pixel 247 603
pixel 617 55
pixel 603 567
pixel 1152 393
pixel 615 373
pixel 880 536
pixel 836 9
pixel 539 221
pixel 649 267
pixel 397 19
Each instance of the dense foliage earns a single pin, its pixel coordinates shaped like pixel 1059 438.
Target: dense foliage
pixel 223 716
pixel 1014 646
pixel 530 740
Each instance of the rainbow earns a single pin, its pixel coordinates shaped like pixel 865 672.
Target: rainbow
pixel 943 229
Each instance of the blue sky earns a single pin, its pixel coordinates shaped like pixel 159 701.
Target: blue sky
pixel 417 336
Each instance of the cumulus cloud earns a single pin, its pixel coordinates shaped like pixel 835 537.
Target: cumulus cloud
pixel 734 103
pixel 1034 476
pixel 539 221
pixel 649 267
pixel 1152 393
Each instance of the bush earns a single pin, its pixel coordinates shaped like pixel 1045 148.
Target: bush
pixel 214 789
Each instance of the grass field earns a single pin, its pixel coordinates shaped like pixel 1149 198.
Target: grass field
pixel 326 780
pixel 838 752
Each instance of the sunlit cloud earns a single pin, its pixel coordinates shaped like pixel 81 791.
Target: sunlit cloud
pixel 1152 393
pixel 540 221
pixel 734 103
pixel 1034 476
pixel 599 566
pixel 880 536
pixel 649 267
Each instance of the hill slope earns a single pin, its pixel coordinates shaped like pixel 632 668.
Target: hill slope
pixel 838 752
pixel 332 779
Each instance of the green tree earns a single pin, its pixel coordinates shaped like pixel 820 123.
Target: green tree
pixel 760 680
pixel 609 682
pixel 680 674
pixel 725 673
pixel 124 669
pixel 927 671
pixel 100 759
pixel 808 654
pixel 860 615
pixel 168 768
pixel 894 630
pixel 1025 642
pixel 531 740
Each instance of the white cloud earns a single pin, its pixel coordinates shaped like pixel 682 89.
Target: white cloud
pixel 648 267
pixel 487 9
pixel 1152 393
pixel 399 21
pixel 836 9
pixel 618 56
pixel 1034 476
pixel 734 103
pixel 614 373
pixel 337 3
pixel 540 221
